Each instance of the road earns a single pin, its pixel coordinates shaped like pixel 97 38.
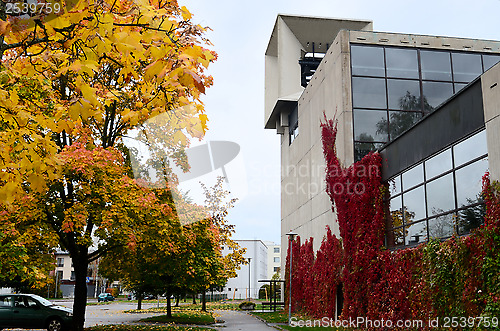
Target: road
pixel 111 313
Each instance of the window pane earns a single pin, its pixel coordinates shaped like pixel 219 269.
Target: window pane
pixel 404 94
pixel 367 61
pixel 438 164
pixel 490 60
pixel 435 65
pixel 442 226
pixel 395 186
pixel 466 67
pixel 414 203
pixel 413 177
pixel 416 233
pixel 470 148
pixel 400 121
pixel 459 86
pixel 440 195
pixel 401 62
pixel 471 218
pixel 368 93
pixel 469 182
pixel 399 238
pixel 396 212
pixel 436 93
pixel 361 149
pixel 370 125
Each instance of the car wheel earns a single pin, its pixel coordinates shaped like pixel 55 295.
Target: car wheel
pixel 54 324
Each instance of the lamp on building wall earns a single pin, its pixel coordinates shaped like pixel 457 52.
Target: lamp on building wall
pixel 249 293
pixel 291 236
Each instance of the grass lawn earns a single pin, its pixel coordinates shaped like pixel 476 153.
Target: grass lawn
pixel 282 317
pixel 142 328
pixel 210 306
pixel 184 317
pixel 273 317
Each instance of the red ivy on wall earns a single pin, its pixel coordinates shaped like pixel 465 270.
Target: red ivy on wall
pixel 458 277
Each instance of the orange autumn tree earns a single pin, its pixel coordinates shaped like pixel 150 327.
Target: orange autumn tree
pixel 71 87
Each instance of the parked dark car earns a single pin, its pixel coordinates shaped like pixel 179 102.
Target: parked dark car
pixel 105 297
pixel 29 311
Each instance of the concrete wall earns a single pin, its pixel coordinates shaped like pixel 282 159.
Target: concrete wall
pixel 282 67
pixel 491 100
pixel 306 208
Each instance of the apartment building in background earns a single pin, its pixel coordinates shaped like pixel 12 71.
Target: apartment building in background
pixel 273 259
pixel 429 104
pixel 246 283
pixel 65 277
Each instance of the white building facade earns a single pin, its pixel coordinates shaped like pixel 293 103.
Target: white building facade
pixel 246 284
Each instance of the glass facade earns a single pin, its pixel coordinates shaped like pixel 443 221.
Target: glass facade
pixel 394 87
pixel 439 196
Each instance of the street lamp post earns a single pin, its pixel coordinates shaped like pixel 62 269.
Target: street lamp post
pixel 291 236
pixel 249 274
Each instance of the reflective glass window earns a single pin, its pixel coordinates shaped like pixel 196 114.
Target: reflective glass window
pixel 401 62
pixel 435 65
pixel 416 233
pixel 442 226
pixel 459 86
pixel 413 177
pixel 395 186
pixel 469 182
pixel 399 238
pixel 414 203
pixel 370 125
pixel 404 94
pixel 466 67
pixel 470 148
pixel 400 121
pixel 363 148
pixel 438 164
pixel 396 212
pixel 367 61
pixel 436 93
pixel 368 93
pixel 490 60
pixel 440 195
pixel 470 218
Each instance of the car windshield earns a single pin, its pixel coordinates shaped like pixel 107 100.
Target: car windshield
pixel 43 301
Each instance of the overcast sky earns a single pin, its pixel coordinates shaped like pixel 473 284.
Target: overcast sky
pixel 235 104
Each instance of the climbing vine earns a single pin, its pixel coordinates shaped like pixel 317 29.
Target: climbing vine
pixel 457 277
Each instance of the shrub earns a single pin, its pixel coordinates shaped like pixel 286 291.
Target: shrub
pixel 247 305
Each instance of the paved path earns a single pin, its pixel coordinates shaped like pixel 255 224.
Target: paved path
pixel 236 320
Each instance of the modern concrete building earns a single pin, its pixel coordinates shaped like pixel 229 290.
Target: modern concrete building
pixel 246 283
pixel 417 99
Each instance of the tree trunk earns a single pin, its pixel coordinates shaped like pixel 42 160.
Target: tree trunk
pixel 203 301
pixel 139 300
pixel 169 304
pixel 177 299
pixel 80 264
pixel 194 298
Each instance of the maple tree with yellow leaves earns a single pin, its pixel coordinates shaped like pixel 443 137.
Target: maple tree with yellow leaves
pixel 71 87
